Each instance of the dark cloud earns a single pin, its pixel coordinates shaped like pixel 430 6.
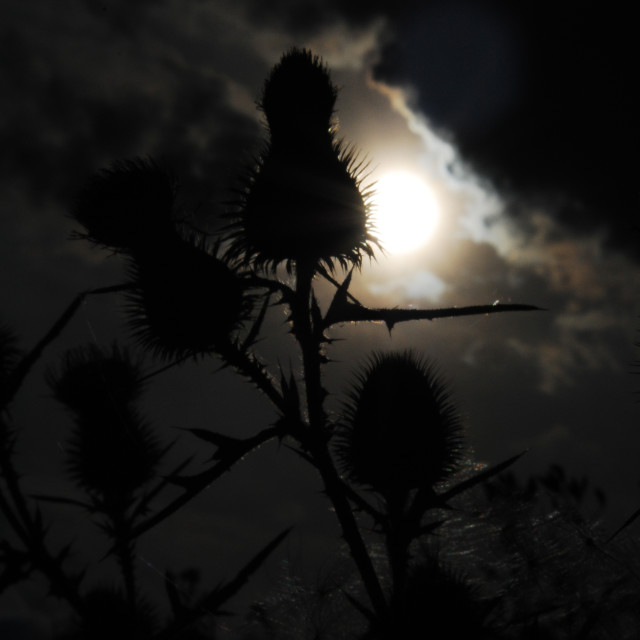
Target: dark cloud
pixel 311 16
pixel 122 17
pixel 538 97
pixel 63 120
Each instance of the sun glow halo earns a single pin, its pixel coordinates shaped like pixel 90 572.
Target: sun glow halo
pixel 405 212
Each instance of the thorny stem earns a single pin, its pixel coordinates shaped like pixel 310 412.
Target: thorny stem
pixel 125 551
pixel 248 365
pixel 304 332
pixel 357 313
pixel 397 544
pixel 350 530
pixel 315 441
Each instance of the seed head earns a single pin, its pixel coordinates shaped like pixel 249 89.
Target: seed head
pixel 400 430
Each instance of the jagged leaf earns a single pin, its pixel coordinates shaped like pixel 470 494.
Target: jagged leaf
pixel 630 520
pixel 227 591
pixel 480 477
pixel 217 439
pixel 369 615
pixel 173 594
pixel 339 302
pixel 316 314
pixel 221 594
pixel 146 499
pixel 257 325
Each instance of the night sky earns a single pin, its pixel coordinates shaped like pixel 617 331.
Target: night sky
pixel 522 119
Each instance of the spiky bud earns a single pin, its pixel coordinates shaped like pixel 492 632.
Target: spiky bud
pixel 112 451
pixel 303 200
pixel 90 380
pixel 129 204
pixel 185 300
pixel 298 98
pixel 400 429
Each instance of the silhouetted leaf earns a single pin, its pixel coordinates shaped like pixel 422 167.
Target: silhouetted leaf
pixel 145 500
pixel 257 324
pixel 367 613
pixel 339 301
pixel 62 500
pixel 629 521
pixel 213 602
pixel 480 477
pixel 222 594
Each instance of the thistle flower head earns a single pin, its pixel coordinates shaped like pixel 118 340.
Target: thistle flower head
pixel 126 205
pixel 400 430
pixel 303 206
pixel 91 380
pixel 112 451
pixel 185 301
pixel 298 96
pixel 302 201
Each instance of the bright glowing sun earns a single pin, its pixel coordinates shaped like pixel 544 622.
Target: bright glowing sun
pixel 405 212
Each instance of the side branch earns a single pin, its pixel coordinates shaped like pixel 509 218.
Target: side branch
pixel 193 485
pixel 14 382
pixel 348 312
pixel 249 366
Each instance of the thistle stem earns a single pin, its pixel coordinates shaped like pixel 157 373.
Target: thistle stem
pixel 316 441
pixel 310 349
pixel 124 544
pixel 248 365
pixel 397 543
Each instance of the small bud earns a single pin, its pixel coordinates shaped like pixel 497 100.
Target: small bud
pixel 112 452
pixel 129 204
pixel 400 429
pixel 298 96
pixel 89 379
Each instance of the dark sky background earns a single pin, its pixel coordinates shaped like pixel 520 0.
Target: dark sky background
pixel 523 118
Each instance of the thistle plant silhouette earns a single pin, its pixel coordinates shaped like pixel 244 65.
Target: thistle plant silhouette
pixel 302 207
